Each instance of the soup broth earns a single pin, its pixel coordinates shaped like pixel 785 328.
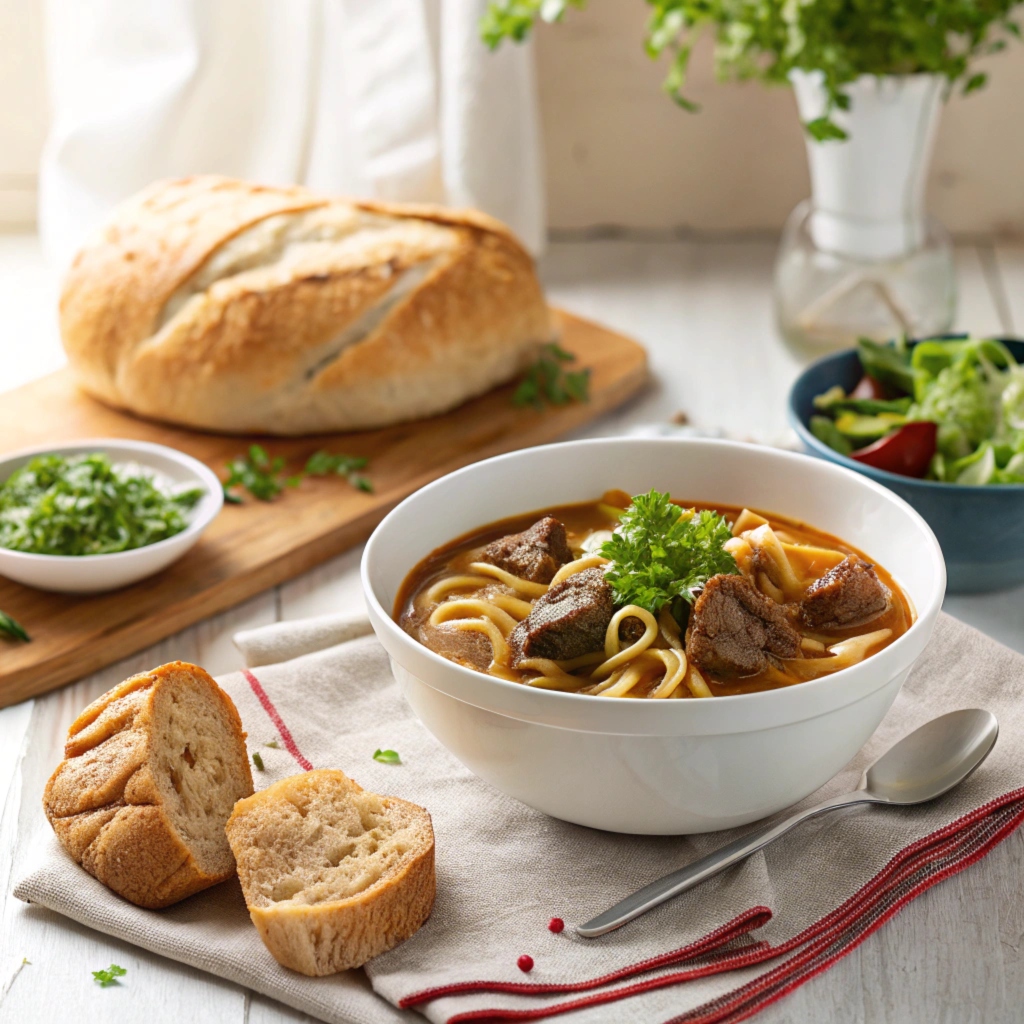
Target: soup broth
pixel 468 609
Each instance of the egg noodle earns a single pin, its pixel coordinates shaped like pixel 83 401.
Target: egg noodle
pixel 655 665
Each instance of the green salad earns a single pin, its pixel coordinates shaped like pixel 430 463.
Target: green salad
pixel 946 410
pixel 87 505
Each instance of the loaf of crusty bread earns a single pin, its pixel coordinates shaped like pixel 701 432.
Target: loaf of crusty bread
pixel 152 770
pixel 332 875
pixel 228 306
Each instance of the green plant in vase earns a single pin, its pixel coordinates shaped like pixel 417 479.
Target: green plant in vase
pixel 860 258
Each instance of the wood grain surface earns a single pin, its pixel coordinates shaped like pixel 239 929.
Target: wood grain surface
pixel 256 545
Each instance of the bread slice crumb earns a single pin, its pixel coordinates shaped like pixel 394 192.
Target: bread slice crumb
pixel 152 770
pixel 332 875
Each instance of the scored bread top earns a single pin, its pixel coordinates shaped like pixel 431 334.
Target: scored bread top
pixel 232 306
pixel 152 770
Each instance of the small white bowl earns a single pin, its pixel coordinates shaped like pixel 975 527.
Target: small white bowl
pixel 654 766
pixel 91 574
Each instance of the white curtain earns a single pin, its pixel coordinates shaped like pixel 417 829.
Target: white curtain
pixel 390 99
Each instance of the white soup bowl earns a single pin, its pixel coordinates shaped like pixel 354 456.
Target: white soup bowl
pixel 641 765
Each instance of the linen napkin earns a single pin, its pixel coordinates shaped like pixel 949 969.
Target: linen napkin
pixel 717 953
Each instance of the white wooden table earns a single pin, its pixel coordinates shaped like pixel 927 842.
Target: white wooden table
pixel 703 309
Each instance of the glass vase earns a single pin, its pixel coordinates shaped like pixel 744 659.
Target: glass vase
pixel 861 258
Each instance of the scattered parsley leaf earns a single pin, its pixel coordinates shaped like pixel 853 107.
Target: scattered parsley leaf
pixel 273 744
pixel 258 761
pixel 12 629
pixel 323 463
pixel 88 505
pixel 660 553
pixel 387 756
pixel 257 473
pixel 263 477
pixel 548 381
pixel 109 977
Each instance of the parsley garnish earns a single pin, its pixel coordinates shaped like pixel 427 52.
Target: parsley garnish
pixel 659 553
pixel 387 756
pixel 109 977
pixel 12 629
pixel 258 761
pixel 548 381
pixel 87 505
pixel 258 473
pixel 263 477
pixel 324 463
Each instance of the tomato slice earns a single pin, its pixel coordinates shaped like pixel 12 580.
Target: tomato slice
pixel 907 451
pixel 868 387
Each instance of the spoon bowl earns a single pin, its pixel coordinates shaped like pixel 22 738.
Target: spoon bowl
pixel 933 759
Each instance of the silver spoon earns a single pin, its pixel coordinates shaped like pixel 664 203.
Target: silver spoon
pixel 922 766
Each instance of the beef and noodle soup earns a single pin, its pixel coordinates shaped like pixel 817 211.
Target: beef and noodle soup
pixel 651 597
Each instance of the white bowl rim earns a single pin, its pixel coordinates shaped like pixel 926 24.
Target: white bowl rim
pixel 924 616
pixel 199 470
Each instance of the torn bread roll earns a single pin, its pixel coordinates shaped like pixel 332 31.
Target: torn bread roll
pixel 228 306
pixel 151 772
pixel 332 875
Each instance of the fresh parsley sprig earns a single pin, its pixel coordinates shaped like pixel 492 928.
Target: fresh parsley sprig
pixel 257 473
pixel 659 554
pixel 12 629
pixel 263 477
pixel 347 466
pixel 387 756
pixel 109 976
pixel 548 380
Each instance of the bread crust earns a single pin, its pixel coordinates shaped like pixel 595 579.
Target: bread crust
pixel 293 344
pixel 105 805
pixel 337 935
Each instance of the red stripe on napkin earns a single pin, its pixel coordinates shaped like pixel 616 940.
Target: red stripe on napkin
pixel 756 917
pixel 286 737
pixel 909 873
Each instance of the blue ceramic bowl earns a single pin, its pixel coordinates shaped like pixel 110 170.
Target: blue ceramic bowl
pixel 980 529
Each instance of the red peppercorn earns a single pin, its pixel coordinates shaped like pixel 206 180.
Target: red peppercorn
pixel 525 963
pixel 556 924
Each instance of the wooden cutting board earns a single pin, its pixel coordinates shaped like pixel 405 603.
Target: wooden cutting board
pixel 256 545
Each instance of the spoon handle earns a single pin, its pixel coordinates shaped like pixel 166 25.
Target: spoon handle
pixel 700 870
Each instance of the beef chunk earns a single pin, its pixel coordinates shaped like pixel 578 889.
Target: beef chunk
pixel 734 628
pixel 848 595
pixel 569 620
pixel 535 554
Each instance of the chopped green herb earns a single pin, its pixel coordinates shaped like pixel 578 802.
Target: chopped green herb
pixel 263 477
pixel 12 629
pixel 258 761
pixel 387 756
pixel 548 381
pixel 257 473
pixel 109 977
pixel 325 463
pixel 87 505
pixel 659 553
pixel 273 744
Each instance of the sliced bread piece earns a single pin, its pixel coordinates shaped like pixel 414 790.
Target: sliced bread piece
pixel 332 875
pixel 152 770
